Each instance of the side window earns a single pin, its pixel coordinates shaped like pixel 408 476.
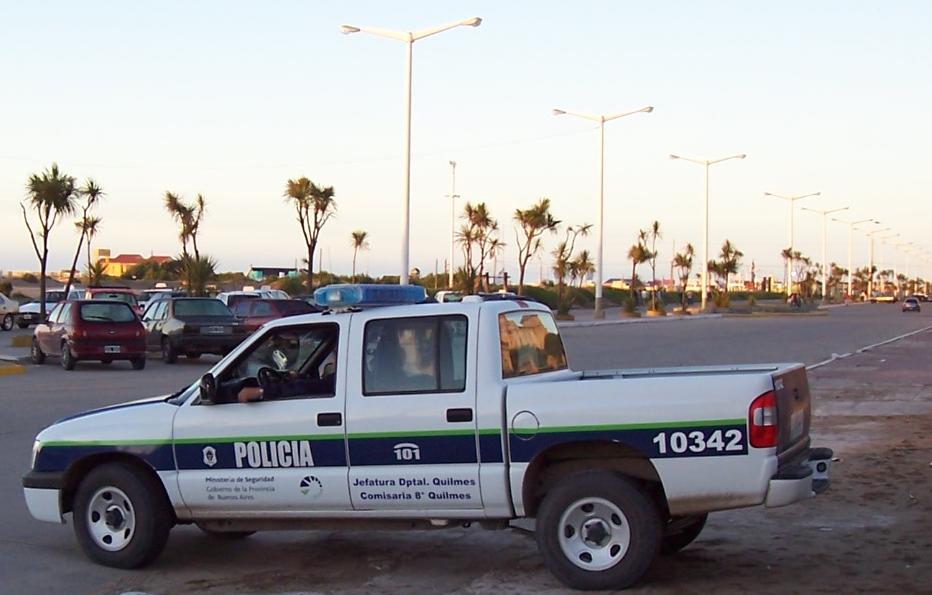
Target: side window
pixel 53 315
pixel 415 355
pixel 241 309
pixel 530 344
pixel 160 310
pixel 64 313
pixel 262 309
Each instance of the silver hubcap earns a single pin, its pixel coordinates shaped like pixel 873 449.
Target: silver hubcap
pixel 111 519
pixel 594 534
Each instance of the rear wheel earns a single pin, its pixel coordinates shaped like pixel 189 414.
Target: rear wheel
pixel 121 518
pixel 68 360
pixel 169 355
pixel 598 530
pixel 38 357
pixel 680 532
pixel 7 323
pixel 138 363
pixel 22 324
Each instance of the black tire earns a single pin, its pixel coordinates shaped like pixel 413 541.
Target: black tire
pixel 226 535
pixel 152 518
pixel 68 360
pixel 192 355
pixel 7 323
pixel 22 324
pixel 684 532
pixel 38 357
pixel 139 363
pixel 639 518
pixel 169 355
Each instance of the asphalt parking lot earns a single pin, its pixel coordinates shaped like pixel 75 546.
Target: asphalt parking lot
pixel 39 557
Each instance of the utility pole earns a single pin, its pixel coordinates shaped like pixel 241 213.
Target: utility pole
pixel 453 196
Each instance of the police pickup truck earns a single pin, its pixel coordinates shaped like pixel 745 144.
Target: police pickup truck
pixel 418 415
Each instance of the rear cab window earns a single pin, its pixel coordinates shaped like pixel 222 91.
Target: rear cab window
pixel 115 312
pixel 530 344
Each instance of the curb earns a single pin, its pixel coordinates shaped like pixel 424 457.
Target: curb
pixel 838 356
pixel 14 359
pixel 10 369
pixel 645 320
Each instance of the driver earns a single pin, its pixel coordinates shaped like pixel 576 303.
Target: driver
pixel 277 383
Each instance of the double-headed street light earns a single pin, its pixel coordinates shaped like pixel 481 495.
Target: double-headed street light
pixel 870 258
pixel 851 225
pixel 408 37
pixel 705 228
pixel 601 119
pixel 825 215
pixel 789 261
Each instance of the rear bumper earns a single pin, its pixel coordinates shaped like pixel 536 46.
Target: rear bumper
pixel 42 493
pixel 220 345
pixel 801 481
pixel 97 350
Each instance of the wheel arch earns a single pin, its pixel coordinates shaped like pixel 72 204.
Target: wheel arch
pixel 79 469
pixel 558 461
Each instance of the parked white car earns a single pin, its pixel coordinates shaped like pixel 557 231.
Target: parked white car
pixel 8 311
pixel 30 313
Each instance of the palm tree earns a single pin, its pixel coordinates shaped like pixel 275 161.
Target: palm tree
pixel 562 257
pixel 581 267
pixel 91 226
pixel 654 234
pixel 360 242
pixel 314 205
pixel 51 194
pixel 533 222
pixel 183 214
pixel 638 254
pixel 730 260
pixel 91 192
pixel 683 262
pixel 477 236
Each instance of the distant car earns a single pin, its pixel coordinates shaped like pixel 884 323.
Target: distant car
pixel 921 297
pixel 102 330
pixel 911 304
pixel 448 296
pixel 29 313
pixel 883 299
pixel 147 296
pixel 190 327
pixel 256 312
pixel 119 294
pixel 231 298
pixel 8 310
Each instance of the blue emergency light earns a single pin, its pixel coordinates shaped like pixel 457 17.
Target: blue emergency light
pixel 367 295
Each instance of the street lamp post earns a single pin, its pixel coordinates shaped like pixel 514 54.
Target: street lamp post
pixel 601 119
pixel 851 225
pixel 825 215
pixel 883 242
pixel 870 258
pixel 903 248
pixel 408 37
pixel 705 227
pixel 453 197
pixel 789 261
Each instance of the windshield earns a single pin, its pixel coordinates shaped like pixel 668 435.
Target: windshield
pixel 202 307
pixel 115 312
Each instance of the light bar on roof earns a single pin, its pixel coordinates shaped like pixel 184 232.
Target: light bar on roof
pixel 368 295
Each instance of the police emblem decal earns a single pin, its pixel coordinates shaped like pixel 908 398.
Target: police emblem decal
pixel 311 486
pixel 210 456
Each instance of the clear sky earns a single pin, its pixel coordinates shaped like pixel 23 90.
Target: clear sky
pixel 230 99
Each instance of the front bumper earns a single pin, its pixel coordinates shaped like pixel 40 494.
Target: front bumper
pixel 800 481
pixel 43 495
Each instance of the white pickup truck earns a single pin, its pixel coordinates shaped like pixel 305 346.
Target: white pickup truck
pixel 432 415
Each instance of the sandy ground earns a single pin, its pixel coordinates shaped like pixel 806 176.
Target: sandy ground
pixel 871 532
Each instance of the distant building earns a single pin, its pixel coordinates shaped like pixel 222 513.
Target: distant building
pixel 118 265
pixel 260 273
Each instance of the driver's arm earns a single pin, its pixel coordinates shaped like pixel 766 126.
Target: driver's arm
pixel 249 394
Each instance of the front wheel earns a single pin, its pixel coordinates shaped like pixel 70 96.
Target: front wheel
pixel 7 323
pixel 38 357
pixel 68 360
pixel 169 355
pixel 121 518
pixel 598 530
pixel 22 324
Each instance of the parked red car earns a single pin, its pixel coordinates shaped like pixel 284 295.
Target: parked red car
pixel 256 312
pixel 101 330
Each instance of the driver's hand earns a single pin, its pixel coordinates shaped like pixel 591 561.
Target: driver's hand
pixel 249 394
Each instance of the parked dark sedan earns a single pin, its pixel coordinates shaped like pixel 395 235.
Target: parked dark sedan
pixel 255 313
pixel 99 330
pixel 190 327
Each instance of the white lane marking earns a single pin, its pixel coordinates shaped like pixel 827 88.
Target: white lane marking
pixel 836 356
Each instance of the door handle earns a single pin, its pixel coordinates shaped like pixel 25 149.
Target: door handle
pixel 329 419
pixel 459 415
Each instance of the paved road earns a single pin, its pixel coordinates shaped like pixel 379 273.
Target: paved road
pixel 40 557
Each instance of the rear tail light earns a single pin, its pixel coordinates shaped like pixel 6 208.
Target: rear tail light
pixel 762 421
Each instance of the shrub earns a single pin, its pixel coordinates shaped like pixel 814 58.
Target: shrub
pixel 6 288
pixel 721 300
pixel 30 278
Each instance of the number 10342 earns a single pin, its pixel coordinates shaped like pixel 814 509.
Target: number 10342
pixel 698 441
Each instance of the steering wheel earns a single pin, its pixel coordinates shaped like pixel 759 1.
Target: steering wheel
pixel 267 377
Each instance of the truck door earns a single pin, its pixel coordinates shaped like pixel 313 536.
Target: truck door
pixel 285 453
pixel 410 410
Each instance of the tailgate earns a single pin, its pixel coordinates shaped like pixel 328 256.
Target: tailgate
pixel 791 388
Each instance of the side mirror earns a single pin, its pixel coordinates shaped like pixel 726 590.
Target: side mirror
pixel 208 388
